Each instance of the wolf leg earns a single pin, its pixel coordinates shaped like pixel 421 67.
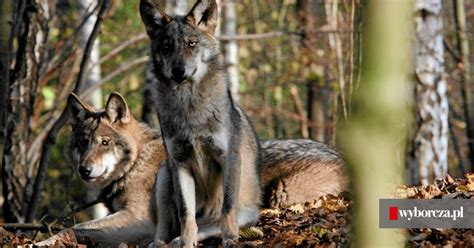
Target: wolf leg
pixel 231 189
pixel 167 223
pixel 185 198
pixel 246 217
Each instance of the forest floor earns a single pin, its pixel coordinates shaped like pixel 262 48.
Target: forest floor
pixel 325 222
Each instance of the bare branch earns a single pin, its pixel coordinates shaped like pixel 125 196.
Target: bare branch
pixel 122 68
pixel 275 34
pixel 59 124
pixel 122 46
pixel 30 226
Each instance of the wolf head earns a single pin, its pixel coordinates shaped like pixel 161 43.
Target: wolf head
pixel 102 144
pixel 181 46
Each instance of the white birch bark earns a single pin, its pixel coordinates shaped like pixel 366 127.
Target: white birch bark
pixel 91 78
pixel 431 137
pixel 231 56
pixel 177 7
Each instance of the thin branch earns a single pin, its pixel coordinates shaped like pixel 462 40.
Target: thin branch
pixel 457 150
pixel 465 65
pixel 275 34
pixel 300 111
pixel 51 137
pixel 451 50
pixel 69 43
pixel 122 46
pixel 121 69
pixel 30 226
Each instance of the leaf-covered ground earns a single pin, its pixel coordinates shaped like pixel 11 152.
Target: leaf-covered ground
pixel 447 188
pixel 326 222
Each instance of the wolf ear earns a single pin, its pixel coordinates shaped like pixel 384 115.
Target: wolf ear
pixel 117 108
pixel 153 16
pixel 78 108
pixel 204 15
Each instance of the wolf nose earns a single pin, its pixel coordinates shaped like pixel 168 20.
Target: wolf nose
pixel 178 73
pixel 85 171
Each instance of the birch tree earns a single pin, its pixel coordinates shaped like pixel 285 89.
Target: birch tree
pixel 92 76
pixel 430 144
pixel 231 56
pixel 30 22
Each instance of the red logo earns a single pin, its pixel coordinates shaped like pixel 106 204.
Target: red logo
pixel 393 213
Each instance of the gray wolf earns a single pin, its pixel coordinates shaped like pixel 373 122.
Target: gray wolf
pixel 119 156
pixel 210 183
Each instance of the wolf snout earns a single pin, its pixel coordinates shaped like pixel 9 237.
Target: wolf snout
pixel 85 171
pixel 178 74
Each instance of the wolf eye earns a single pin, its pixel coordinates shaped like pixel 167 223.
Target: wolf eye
pixel 192 44
pixel 105 142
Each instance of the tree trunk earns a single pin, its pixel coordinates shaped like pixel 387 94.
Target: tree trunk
pixel 231 56
pixel 176 7
pixel 91 77
pixel 18 172
pixel 6 21
pixel 373 140
pixel 315 105
pixel 316 113
pixel 430 145
pixel 63 118
pixel 467 88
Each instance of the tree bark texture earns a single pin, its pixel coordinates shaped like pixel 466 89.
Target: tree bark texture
pixel 231 55
pixel 18 172
pixel 467 84
pixel 431 136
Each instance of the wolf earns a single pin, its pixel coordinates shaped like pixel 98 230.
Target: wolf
pixel 119 156
pixel 210 182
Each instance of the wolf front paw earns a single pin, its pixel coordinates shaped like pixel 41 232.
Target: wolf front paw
pixel 179 242
pixel 157 244
pixel 227 243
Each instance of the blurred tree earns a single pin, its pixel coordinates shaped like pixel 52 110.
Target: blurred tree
pixel 6 22
pixel 92 76
pixel 315 85
pixel 465 64
pixel 177 7
pixel 375 134
pixel 30 31
pixel 430 145
pixel 231 55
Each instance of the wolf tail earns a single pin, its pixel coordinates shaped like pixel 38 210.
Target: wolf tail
pixel 298 170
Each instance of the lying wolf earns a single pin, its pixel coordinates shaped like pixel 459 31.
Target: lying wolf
pixel 120 156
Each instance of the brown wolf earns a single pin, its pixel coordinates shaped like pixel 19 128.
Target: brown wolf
pixel 119 156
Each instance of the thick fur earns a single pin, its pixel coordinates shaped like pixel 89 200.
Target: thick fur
pixel 286 164
pixel 211 178
pixel 296 171
pixel 120 154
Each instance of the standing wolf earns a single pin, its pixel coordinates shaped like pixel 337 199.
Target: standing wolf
pixel 211 178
